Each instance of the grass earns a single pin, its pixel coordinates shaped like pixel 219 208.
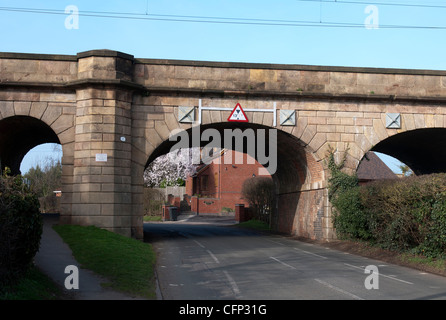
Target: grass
pixel 433 265
pixel 33 286
pixel 254 224
pixel 152 218
pixel 127 263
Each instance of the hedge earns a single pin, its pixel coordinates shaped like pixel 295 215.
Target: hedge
pixel 20 228
pixel 407 214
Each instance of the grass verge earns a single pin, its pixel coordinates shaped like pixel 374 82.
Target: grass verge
pixel 127 263
pixel 33 286
pixel 254 224
pixel 152 218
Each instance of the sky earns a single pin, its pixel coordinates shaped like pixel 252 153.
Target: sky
pixel 407 34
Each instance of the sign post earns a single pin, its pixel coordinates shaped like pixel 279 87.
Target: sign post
pixel 200 108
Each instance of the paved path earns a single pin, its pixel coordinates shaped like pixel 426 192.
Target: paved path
pixel 55 255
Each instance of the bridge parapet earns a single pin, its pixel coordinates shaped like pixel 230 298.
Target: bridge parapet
pixel 291 80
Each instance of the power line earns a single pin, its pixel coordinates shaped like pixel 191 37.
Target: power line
pixel 217 20
pixel 159 17
pixel 393 4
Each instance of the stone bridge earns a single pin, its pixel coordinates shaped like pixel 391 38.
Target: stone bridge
pixel 113 114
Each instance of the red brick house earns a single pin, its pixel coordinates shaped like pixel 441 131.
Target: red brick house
pixel 216 187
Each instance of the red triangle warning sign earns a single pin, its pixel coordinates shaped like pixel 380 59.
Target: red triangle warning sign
pixel 238 115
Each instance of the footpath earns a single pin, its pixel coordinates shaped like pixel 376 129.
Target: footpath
pixel 55 255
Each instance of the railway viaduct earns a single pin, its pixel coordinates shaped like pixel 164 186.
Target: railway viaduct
pixel 113 114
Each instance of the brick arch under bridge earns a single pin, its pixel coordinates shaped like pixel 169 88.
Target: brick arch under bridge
pixel 111 112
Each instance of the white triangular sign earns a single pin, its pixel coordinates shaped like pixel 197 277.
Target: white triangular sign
pixel 238 115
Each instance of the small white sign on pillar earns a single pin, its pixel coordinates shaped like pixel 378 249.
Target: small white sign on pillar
pixel 101 157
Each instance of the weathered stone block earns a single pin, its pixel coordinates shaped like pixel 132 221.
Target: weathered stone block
pixel 22 108
pixel 7 109
pixel 51 114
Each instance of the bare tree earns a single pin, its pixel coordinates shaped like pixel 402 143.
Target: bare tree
pixel 44 180
pixel 261 195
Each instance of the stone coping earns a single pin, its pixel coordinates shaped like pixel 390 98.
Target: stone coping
pixel 213 64
pixel 147 90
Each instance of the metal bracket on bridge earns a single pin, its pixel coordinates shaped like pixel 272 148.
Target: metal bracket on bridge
pixel 200 108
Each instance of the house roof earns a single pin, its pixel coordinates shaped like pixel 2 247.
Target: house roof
pixel 372 167
pixel 201 167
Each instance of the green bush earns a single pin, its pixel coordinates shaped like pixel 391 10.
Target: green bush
pixel 339 181
pixel 349 218
pixel 389 205
pixel 434 241
pixel 406 214
pixel 20 228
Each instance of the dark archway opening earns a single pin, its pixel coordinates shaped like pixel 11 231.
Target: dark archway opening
pixel 18 135
pixel 422 150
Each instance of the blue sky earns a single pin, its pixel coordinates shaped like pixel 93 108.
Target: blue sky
pixel 411 34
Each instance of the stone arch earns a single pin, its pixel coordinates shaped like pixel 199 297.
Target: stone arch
pixel 419 142
pixel 423 150
pixel 26 124
pixel 18 135
pixel 299 176
pixel 56 120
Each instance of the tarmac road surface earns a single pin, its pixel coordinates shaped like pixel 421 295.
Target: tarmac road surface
pixel 205 259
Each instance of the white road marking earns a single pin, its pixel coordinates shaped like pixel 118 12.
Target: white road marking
pixel 380 274
pixel 311 253
pixel 351 295
pixel 285 264
pixel 199 244
pixel 233 284
pixel 213 257
pixel 276 242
